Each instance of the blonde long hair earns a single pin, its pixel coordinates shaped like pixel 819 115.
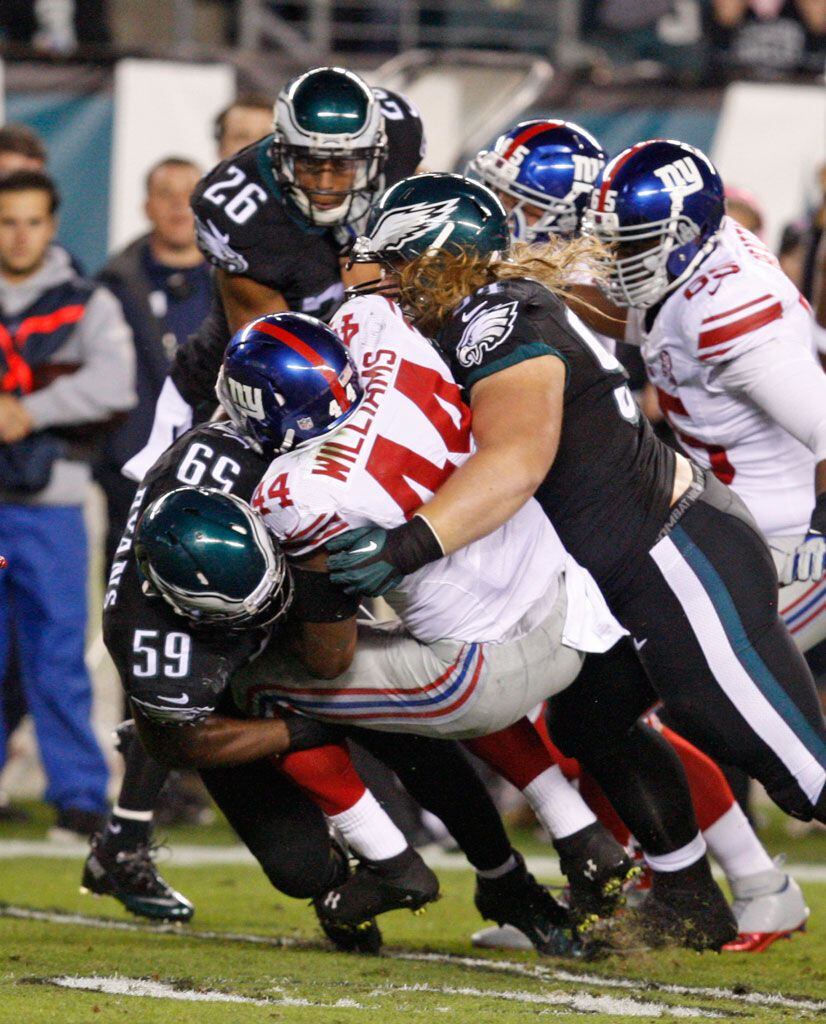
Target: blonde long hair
pixel 433 285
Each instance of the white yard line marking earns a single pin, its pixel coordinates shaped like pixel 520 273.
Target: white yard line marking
pixel 577 1002
pixel 116 986
pixel 185 855
pixel 535 971
pixel 572 1002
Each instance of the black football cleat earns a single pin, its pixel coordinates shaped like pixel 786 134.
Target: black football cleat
pixel 598 870
pixel 403 882
pixel 684 908
pixel 132 878
pixel 350 938
pixel 517 899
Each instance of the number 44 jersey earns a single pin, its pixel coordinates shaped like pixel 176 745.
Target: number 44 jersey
pixel 173 671
pixel 408 435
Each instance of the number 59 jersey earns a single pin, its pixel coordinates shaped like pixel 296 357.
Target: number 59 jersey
pixel 174 672
pixel 410 432
pixel 738 300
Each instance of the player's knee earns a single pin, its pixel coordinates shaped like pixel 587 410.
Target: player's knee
pixel 306 875
pixel 790 798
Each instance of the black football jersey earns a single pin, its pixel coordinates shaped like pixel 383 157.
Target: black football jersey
pixel 174 671
pixel 609 489
pixel 246 227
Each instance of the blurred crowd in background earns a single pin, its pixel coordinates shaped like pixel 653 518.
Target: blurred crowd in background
pixel 697 40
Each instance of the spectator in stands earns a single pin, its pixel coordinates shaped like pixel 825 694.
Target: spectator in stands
pixel 246 120
pixel 162 282
pixel 67 366
pixel 21 148
pixel 744 207
pixel 56 26
pixel 771 38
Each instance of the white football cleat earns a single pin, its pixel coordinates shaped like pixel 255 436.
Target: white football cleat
pixel 768 906
pixel 501 937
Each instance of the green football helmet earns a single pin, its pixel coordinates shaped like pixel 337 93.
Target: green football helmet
pixel 329 145
pixel 209 556
pixel 429 212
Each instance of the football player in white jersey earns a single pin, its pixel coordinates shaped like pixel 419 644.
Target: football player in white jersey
pixel 485 633
pixel 543 171
pixel 728 341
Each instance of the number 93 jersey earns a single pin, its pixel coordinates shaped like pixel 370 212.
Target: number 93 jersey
pixel 737 301
pixel 173 671
pixel 609 488
pixel 410 432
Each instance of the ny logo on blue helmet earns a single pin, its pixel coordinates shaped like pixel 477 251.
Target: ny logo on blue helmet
pixel 659 204
pixel 286 380
pixel 545 171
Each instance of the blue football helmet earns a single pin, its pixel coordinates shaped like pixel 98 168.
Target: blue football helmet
pixel 660 205
pixel 548 165
pixel 287 379
pixel 210 557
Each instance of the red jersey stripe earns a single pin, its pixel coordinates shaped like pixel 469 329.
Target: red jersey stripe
pixel 737 309
pixel 671 403
pixel 312 357
pixel 738 328
pixel 527 135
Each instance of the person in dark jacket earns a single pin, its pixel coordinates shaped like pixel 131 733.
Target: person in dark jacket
pixel 162 282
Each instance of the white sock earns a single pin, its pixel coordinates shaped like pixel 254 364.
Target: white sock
pixel 679 859
pixel 368 830
pixel 736 848
pixel 557 804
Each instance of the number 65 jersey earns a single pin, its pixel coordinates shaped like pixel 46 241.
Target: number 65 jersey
pixel 173 671
pixel 410 432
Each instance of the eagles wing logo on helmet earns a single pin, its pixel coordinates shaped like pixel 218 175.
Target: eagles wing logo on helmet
pixel 397 227
pixel 487 327
pixel 217 248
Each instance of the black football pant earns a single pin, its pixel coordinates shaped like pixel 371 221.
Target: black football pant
pixel 702 613
pixel 286 831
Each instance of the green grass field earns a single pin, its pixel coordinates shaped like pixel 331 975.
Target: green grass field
pixel 263 956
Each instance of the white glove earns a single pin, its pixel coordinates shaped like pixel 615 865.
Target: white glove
pixel 807 561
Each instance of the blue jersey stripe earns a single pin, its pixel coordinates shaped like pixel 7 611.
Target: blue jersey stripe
pixel 742 647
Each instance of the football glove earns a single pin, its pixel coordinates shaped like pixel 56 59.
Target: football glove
pixel 805 562
pixel 372 560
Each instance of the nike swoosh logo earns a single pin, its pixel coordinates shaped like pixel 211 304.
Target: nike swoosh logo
pixel 115 829
pixel 639 644
pixel 469 316
pixel 368 549
pixel 183 699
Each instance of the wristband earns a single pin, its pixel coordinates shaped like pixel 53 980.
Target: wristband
pixel 818 520
pixel 413 545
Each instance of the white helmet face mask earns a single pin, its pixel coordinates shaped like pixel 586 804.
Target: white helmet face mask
pixel 558 217
pixel 641 280
pixel 300 155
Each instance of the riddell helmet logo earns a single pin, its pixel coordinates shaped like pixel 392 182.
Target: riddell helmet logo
pixel 246 398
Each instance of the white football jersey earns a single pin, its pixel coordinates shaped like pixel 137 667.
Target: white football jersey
pixel 738 299
pixel 410 432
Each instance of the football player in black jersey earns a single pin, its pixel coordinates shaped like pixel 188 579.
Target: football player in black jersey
pixel 175 672
pixel 273 219
pixel 553 417
pixel 276 218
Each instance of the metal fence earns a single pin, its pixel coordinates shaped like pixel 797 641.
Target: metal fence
pixel 312 29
